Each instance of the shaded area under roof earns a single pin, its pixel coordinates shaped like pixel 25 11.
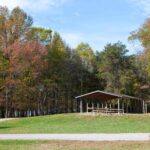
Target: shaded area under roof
pixel 101 95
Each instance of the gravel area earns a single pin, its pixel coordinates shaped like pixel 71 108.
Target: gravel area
pixel 79 137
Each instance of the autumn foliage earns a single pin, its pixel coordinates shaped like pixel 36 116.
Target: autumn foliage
pixel 40 74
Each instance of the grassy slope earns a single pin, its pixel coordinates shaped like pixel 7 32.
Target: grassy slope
pixel 72 145
pixel 74 123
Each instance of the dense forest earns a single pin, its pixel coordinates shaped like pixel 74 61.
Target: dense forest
pixel 40 74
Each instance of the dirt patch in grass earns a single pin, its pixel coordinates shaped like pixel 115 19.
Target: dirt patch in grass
pixel 76 145
pixel 72 145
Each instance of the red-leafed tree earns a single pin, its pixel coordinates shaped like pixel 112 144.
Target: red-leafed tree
pixel 27 61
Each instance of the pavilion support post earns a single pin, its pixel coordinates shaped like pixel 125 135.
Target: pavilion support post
pixel 118 106
pixel 92 106
pixel 146 108
pixel 87 107
pixel 97 105
pixel 127 106
pixel 102 105
pixel 106 105
pixel 81 107
pixel 123 106
pixel 143 107
pixel 110 106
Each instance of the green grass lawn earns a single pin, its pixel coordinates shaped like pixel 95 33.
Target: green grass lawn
pixel 76 123
pixel 72 145
pixel 21 145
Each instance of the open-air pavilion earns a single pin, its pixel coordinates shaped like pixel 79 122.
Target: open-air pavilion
pixel 105 102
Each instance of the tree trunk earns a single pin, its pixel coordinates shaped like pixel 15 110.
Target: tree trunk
pixel 6 104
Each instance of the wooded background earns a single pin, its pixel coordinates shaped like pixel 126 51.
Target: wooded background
pixel 40 74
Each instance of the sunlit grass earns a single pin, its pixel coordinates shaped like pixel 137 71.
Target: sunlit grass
pixel 75 123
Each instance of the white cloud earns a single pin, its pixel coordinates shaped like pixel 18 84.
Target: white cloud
pixel 143 5
pixel 73 39
pixel 33 5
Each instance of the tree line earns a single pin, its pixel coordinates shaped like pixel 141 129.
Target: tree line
pixel 40 74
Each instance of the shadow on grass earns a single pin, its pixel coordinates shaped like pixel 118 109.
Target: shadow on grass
pixel 2 128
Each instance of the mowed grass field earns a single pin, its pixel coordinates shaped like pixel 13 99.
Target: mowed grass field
pixel 72 145
pixel 76 123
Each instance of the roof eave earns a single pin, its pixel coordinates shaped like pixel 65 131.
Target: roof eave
pixel 110 94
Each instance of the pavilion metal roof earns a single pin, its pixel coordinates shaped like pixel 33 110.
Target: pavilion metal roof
pixel 102 95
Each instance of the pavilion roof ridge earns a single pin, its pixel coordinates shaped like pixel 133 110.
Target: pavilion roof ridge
pixel 99 91
pixel 108 93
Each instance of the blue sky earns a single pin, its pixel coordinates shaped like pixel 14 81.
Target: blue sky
pixel 97 22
